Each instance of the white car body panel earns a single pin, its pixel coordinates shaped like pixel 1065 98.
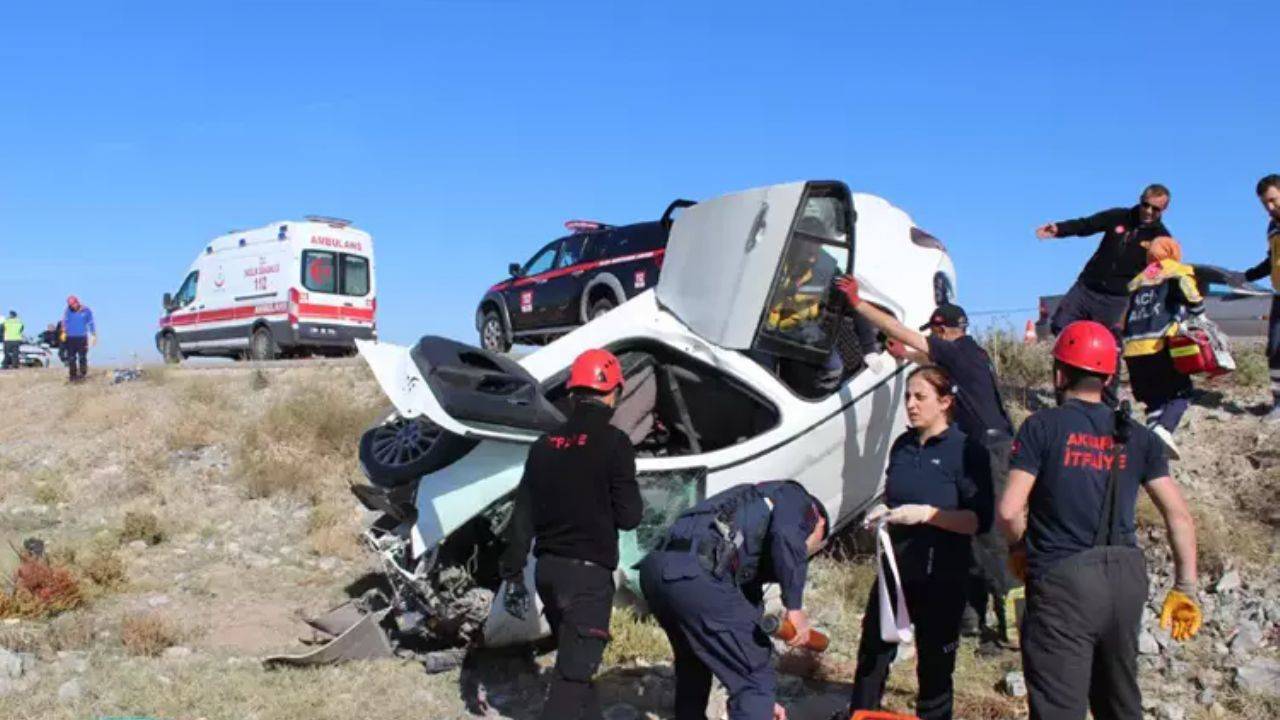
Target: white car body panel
pixel 837 447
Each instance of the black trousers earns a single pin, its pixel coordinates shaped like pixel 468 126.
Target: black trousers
pixel 989 577
pixel 1157 384
pixel 578 600
pixel 11 353
pixel 1082 303
pixel 935 603
pixel 77 356
pixel 1080 636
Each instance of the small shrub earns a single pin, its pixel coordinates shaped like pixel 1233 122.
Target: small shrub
pixel 40 590
pixel 104 569
pixel 148 634
pixel 1251 368
pixel 49 486
pixel 635 638
pixel 143 526
pixel 1018 364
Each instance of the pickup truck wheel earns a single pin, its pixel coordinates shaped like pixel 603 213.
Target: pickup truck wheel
pixel 492 335
pixel 600 307
pixel 262 346
pixel 169 349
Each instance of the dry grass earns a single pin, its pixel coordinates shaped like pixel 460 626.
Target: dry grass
pixel 148 634
pixel 305 441
pixel 332 530
pixel 635 638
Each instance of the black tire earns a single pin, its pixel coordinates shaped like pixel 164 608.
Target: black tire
pixel 169 349
pixel 262 346
pixel 400 450
pixel 493 336
pixel 600 307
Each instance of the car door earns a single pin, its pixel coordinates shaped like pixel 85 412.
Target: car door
pixel 184 316
pixel 559 295
pixel 526 295
pixel 1240 310
pixel 752 270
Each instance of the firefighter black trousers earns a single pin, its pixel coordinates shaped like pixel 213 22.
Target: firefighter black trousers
pixel 935 604
pixel 1080 638
pixel 578 600
pixel 989 578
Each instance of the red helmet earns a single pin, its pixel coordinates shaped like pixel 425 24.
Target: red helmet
pixel 1087 345
pixel 597 370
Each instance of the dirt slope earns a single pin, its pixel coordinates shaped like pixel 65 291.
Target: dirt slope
pixel 203 511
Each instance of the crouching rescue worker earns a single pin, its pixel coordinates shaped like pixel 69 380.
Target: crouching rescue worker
pixel 938 495
pixel 704 584
pixel 1069 508
pixel 1162 299
pixel 578 490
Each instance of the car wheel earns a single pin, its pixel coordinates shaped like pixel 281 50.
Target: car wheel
pixel 600 307
pixel 400 450
pixel 262 346
pixel 492 335
pixel 169 349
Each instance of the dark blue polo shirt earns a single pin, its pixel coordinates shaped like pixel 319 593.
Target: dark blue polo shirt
pixel 978 405
pixel 949 472
pixel 1068 450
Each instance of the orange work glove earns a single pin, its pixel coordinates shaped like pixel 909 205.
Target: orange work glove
pixel 1182 613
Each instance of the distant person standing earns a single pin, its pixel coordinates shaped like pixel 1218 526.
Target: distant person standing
pixel 79 333
pixel 1101 292
pixel 12 339
pixel 1269 196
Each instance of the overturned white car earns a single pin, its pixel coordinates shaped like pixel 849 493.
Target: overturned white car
pixel 719 360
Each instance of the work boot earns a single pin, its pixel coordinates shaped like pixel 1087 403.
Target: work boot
pixel 970 624
pixel 1170 447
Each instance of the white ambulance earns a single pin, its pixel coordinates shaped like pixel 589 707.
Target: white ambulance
pixel 289 289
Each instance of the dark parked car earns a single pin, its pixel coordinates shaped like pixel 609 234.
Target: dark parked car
pixel 573 280
pixel 1240 310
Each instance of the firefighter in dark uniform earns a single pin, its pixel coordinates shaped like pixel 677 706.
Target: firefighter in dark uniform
pixel 578 490
pixel 704 584
pixel 937 496
pixel 1069 510
pixel 1101 292
pixel 980 414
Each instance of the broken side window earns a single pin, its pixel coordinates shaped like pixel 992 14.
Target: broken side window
pixel 666 495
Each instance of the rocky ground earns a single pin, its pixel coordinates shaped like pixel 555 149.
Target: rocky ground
pixel 202 512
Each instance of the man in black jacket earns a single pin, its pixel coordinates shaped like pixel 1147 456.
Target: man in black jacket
pixel 578 490
pixel 1101 292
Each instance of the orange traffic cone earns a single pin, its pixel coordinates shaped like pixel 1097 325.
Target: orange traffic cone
pixel 1029 335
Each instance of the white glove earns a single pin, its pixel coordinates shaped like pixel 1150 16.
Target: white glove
pixel 912 514
pixel 875 515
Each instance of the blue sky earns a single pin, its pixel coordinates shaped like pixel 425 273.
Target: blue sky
pixel 462 134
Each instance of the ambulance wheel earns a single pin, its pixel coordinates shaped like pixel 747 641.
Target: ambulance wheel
pixel 493 337
pixel 169 350
pixel 262 346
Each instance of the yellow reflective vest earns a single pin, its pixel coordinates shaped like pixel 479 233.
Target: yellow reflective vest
pixel 12 329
